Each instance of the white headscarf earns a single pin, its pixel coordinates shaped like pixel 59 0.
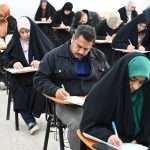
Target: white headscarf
pixel 23 22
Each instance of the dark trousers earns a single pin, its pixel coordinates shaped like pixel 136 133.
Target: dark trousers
pixel 28 118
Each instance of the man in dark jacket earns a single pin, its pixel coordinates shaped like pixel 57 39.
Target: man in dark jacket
pixel 127 13
pixel 77 66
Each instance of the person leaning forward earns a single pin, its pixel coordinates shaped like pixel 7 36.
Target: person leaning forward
pixel 76 65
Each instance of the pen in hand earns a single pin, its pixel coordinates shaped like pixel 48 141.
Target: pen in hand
pixel 62 86
pixel 114 128
pixel 130 42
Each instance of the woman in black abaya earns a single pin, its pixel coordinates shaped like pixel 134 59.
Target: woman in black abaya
pixel 26 48
pixel 122 96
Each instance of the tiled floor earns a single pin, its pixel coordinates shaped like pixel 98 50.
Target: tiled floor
pixel 10 139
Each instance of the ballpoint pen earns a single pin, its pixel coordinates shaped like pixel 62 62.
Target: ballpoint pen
pixel 130 42
pixel 114 128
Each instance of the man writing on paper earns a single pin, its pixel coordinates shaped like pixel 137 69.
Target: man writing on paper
pixel 76 66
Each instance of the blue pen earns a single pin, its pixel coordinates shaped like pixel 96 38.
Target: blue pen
pixel 129 41
pixel 107 34
pixel 114 128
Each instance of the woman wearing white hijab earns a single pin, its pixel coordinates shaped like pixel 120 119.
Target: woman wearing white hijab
pixel 27 48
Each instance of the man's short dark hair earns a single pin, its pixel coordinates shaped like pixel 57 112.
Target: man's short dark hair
pixel 87 31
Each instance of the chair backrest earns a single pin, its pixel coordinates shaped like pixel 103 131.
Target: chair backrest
pixel 86 141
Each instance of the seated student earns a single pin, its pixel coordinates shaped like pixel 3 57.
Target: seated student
pixel 45 11
pixel 63 17
pixel 95 18
pixel 5 37
pixel 26 48
pixel 106 30
pixel 5 12
pixel 80 18
pixel 127 13
pixel 122 96
pixel 132 35
pixel 78 67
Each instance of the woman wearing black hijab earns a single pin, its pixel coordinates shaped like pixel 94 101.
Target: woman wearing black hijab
pixel 45 11
pixel 80 18
pixel 132 35
pixel 121 96
pixel 26 48
pixel 63 17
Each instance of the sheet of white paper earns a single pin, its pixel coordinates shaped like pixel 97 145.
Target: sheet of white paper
pixel 127 51
pixel 131 146
pixel 75 100
pixel 23 70
pixel 124 146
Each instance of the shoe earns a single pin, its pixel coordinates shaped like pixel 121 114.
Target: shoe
pixel 33 128
pixel 2 86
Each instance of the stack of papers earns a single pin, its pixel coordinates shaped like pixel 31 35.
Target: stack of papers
pixel 23 70
pixel 76 100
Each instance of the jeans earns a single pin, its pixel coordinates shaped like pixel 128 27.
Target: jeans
pixel 28 118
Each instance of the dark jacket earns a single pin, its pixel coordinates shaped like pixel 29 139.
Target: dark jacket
pixel 57 68
pixel 123 14
pixel 110 100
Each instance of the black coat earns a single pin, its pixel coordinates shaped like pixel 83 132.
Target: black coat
pixel 57 68
pixel 26 98
pixel 50 12
pixel 123 14
pixel 110 100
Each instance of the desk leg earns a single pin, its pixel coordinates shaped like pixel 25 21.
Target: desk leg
pixel 16 121
pixel 61 137
pixel 47 133
pixel 8 105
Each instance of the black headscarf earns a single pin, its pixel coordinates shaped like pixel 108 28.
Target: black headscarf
pixel 76 19
pixel 110 100
pixel 50 11
pixel 61 17
pixel 39 44
pixel 130 32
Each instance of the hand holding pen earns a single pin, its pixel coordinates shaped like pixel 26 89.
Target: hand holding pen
pixel 35 63
pixel 61 93
pixel 130 46
pixel 108 37
pixel 114 139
